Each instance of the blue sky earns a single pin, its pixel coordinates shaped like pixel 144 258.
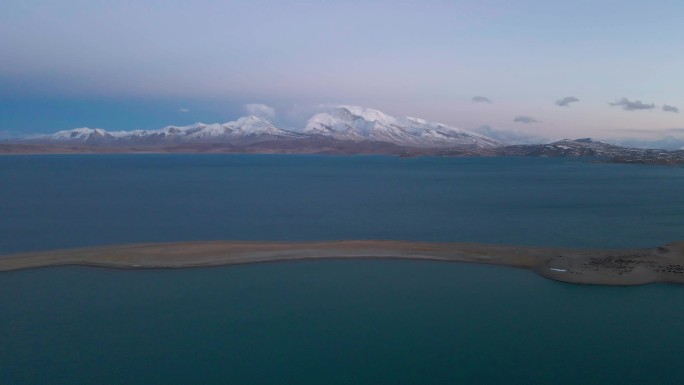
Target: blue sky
pixel 146 64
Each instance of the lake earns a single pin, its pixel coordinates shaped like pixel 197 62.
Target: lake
pixel 334 322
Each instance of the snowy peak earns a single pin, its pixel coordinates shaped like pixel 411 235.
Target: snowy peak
pixel 243 130
pixel 245 126
pixel 81 134
pixel 347 122
pixel 358 123
pixel 572 147
pixel 253 125
pixel 344 123
pixel 367 114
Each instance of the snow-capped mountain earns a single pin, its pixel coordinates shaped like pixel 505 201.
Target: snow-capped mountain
pixel 244 130
pixel 84 134
pixel 354 126
pixel 348 130
pixel 569 148
pixel 243 127
pixel 587 147
pixel 358 124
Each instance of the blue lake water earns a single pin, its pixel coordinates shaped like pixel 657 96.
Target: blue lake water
pixel 334 322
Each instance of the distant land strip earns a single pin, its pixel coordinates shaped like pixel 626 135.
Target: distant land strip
pixel 580 148
pixel 583 266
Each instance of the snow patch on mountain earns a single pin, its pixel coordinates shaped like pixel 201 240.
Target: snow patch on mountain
pixel 249 127
pixel 346 123
pixel 359 123
pixel 80 134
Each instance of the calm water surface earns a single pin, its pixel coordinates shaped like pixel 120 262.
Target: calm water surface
pixel 334 322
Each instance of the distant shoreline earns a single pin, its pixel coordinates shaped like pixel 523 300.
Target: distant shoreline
pixel 583 266
pixel 340 148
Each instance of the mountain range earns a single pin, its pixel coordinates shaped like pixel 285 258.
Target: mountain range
pixel 245 130
pixel 345 130
pixel 345 123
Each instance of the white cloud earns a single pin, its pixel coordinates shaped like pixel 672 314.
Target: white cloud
pixel 184 110
pixel 510 135
pixel 260 110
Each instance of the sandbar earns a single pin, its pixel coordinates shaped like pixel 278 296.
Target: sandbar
pixel 583 266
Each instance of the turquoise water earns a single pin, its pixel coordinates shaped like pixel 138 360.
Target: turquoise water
pixel 50 202
pixel 333 322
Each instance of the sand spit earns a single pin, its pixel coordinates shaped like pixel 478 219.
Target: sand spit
pixel 587 266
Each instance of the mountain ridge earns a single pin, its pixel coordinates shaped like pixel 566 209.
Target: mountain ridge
pixel 346 123
pixel 241 130
pixel 358 123
pixel 347 130
pixel 584 148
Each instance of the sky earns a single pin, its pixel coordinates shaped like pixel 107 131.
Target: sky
pixel 549 69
